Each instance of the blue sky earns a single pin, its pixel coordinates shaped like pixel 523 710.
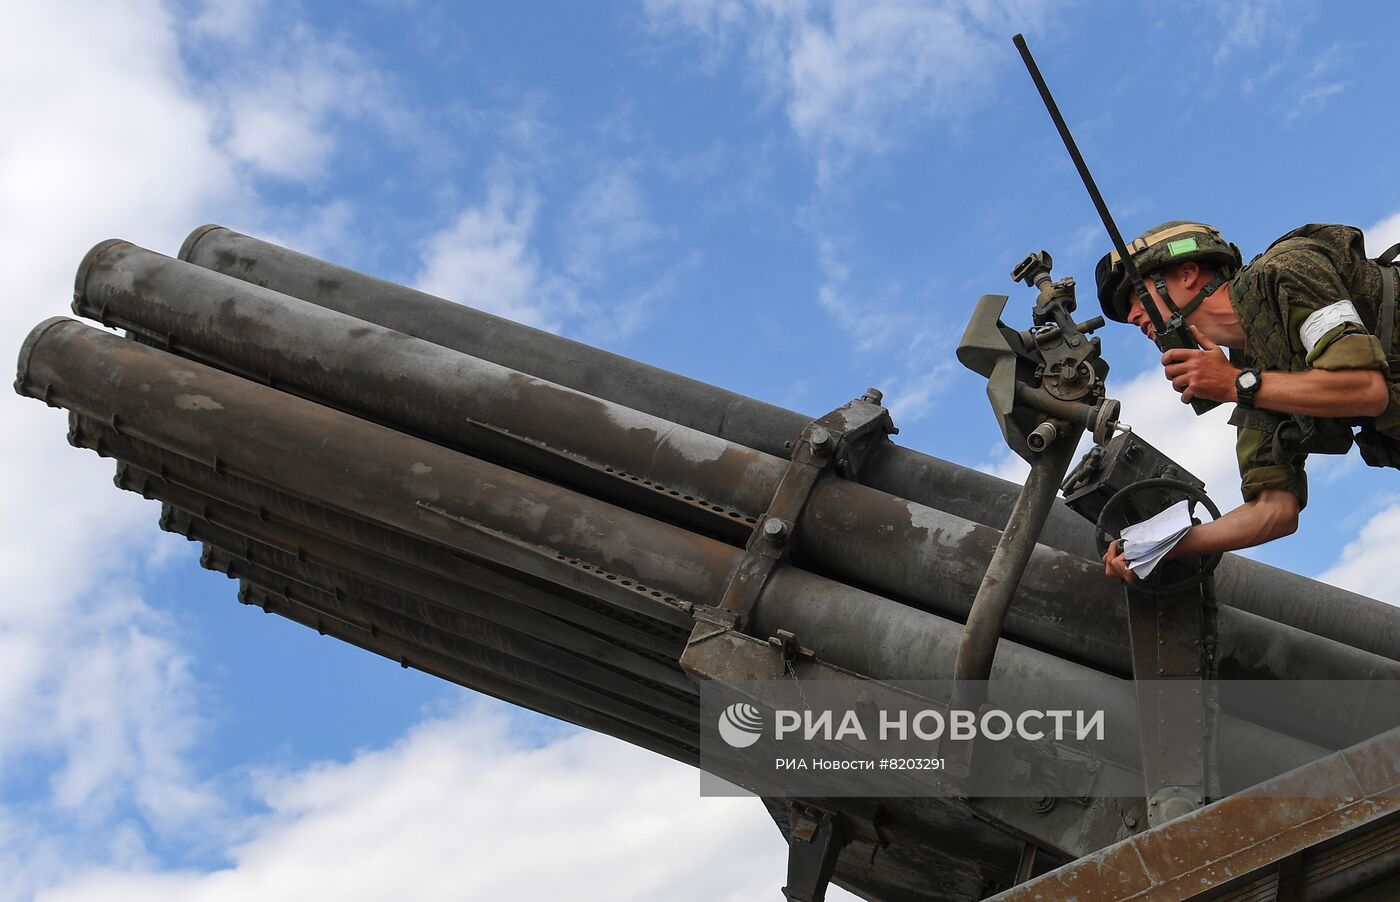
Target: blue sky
pixel 795 201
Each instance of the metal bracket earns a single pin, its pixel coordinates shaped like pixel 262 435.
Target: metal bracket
pixel 843 438
pixel 792 650
pixel 1173 665
pixel 815 839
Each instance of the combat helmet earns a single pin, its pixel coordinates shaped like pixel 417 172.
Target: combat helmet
pixel 1160 246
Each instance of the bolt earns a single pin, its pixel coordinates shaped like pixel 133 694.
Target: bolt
pixel 820 440
pixel 775 529
pixel 873 396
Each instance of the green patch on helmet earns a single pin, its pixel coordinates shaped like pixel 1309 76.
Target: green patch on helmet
pixel 1182 246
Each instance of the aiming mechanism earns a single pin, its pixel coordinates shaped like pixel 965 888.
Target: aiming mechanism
pixel 1046 385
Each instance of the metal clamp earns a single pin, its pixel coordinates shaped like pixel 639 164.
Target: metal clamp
pixel 844 439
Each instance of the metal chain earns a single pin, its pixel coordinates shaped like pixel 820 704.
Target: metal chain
pixel 792 672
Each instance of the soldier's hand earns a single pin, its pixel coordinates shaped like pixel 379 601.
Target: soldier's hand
pixel 1206 373
pixel 1115 564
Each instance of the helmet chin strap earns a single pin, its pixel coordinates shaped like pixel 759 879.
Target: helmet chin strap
pixel 1178 316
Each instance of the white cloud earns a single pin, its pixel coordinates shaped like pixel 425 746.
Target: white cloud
pixel 113 136
pixel 853 76
pixel 1204 445
pixel 484 260
pixel 1314 99
pixel 108 138
pixel 228 20
pixel 466 807
pixel 916 391
pixel 880 321
pixel 1383 234
pixel 488 258
pixel 607 224
pixel 1366 564
pixel 1250 24
pixel 278 106
pixel 1006 464
pixel 325 231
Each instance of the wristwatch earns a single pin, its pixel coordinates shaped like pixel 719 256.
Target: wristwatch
pixel 1246 384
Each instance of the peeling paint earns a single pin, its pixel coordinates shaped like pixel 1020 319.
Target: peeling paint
pixel 948 531
pixel 690 445
pixel 197 402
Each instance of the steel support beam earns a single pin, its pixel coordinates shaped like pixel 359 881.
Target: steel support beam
pixel 1242 835
pixel 814 842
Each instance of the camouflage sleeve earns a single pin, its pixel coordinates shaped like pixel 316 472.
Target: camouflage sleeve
pixel 1260 467
pixel 1306 281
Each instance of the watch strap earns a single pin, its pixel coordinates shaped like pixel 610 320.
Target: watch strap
pixel 1245 396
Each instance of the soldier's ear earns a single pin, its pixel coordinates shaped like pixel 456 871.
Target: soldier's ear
pixel 1190 273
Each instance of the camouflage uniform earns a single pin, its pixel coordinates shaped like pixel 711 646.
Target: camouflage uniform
pixel 1274 295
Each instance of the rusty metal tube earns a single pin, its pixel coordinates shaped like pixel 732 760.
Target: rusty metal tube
pixel 977 497
pixel 470 404
pixel 630 561
pixel 517 685
pixel 622 558
pixel 982 631
pixel 510 598
pixel 252 432
pixel 853 533
pixel 438 602
pixel 428 390
pixel 602 690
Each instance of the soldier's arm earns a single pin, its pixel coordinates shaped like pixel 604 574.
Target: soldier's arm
pixel 1323 393
pixel 1347 367
pixel 1344 380
pixel 1271 514
pixel 1274 490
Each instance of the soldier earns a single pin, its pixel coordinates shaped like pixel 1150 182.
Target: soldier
pixel 1309 324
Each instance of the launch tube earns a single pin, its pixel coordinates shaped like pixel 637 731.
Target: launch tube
pixel 302 448
pixel 1250 586
pixel 848 531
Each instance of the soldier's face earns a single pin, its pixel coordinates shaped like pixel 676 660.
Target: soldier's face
pixel 1138 316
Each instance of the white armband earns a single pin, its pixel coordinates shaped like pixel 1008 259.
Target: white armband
pixel 1325 320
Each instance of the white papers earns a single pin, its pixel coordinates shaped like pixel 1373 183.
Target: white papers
pixel 1146 543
